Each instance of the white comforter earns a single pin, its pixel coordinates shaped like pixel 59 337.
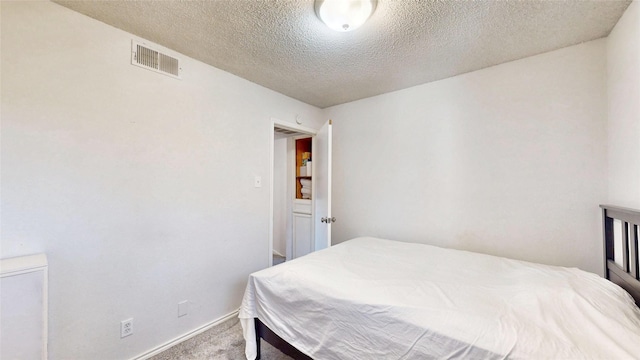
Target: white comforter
pixel 370 298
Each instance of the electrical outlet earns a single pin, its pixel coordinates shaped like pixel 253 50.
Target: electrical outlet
pixel 126 327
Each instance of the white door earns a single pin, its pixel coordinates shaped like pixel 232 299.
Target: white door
pixel 302 244
pixel 322 175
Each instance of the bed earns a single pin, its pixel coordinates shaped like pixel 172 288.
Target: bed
pixel 371 298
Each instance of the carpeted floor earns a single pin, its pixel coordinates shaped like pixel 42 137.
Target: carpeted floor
pixel 224 342
pixel 278 259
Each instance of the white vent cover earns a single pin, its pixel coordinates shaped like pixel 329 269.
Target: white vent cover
pixel 144 56
pixel 287 132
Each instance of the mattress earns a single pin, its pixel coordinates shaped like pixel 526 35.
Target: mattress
pixel 371 298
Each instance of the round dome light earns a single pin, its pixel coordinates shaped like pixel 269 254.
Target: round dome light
pixel 344 15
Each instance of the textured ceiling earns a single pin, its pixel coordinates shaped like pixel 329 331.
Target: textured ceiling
pixel 282 45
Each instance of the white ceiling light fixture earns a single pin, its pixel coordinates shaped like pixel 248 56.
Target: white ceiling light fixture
pixel 344 15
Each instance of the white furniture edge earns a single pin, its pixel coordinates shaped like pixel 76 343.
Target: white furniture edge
pixel 26 264
pixel 22 264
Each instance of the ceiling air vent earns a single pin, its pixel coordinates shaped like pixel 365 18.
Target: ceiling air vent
pixel 287 132
pixel 143 56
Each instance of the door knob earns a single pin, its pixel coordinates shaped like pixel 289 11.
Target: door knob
pixel 327 220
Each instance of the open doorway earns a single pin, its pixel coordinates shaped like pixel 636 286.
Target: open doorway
pixel 281 198
pixel 300 194
pixel 292 228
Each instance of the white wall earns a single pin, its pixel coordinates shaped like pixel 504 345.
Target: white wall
pixel 623 85
pixel 138 186
pixel 509 160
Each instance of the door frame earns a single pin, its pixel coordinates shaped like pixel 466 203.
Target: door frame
pixel 289 126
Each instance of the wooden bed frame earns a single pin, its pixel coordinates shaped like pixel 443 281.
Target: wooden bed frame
pixel 627 276
pixel 263 332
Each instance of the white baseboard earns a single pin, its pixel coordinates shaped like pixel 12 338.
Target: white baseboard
pixel 187 336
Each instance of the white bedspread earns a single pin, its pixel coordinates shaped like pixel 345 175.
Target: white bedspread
pixel 370 298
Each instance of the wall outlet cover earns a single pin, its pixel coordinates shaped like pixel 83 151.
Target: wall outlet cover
pixel 126 328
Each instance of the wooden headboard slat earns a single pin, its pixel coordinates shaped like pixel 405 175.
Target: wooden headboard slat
pixel 622 213
pixel 625 246
pixel 624 280
pixel 608 252
pixel 627 276
pixel 633 251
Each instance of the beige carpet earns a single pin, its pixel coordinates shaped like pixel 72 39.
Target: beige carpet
pixel 224 342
